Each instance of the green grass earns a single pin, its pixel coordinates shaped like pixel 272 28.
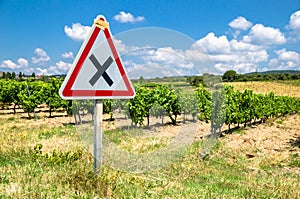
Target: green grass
pixel 295 160
pixel 33 169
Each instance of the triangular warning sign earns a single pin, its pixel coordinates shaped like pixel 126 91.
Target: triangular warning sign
pixel 97 71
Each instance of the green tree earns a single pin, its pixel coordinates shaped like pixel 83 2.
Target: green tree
pixel 13 75
pixel 195 80
pixel 20 76
pixel 229 76
pixel 8 75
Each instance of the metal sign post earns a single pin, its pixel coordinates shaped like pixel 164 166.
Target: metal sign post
pixel 98 108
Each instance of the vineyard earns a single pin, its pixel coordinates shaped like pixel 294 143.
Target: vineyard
pixel 43 158
pixel 221 105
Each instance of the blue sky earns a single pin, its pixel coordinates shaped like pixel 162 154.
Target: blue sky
pixel 44 36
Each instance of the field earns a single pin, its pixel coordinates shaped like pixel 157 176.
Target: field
pixel 286 88
pixel 45 158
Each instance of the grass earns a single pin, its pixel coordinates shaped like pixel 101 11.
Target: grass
pixel 295 160
pixel 135 141
pixel 34 164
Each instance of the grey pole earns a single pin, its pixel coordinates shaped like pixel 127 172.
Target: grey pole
pixel 98 107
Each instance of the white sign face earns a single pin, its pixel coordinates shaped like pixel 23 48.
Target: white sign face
pixel 97 71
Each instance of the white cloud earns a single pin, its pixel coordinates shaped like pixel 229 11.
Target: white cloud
pixel 57 69
pixel 242 46
pixel 67 55
pixel 240 68
pixel 123 48
pixel 225 54
pixel 240 23
pixel 21 63
pixel 9 64
pixel 124 17
pixel 262 35
pixel 41 57
pixel 42 71
pixel 151 70
pixel 167 56
pixel 60 68
pixel 288 55
pixel 294 24
pixel 120 46
pixel 77 31
pixel 295 20
pixel 213 44
pixel 29 70
pixel 157 62
pixel 285 60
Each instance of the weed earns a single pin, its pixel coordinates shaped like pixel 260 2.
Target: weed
pixel 55 157
pixel 280 121
pixel 239 131
pixel 295 160
pixel 11 119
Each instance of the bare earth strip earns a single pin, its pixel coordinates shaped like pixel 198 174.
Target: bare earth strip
pixel 272 142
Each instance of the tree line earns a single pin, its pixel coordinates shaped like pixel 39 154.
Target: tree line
pixel 14 76
pixel 233 76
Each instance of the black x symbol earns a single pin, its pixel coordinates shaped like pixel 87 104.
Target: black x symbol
pixel 101 70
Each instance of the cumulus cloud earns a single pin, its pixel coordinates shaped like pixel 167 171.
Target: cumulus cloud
pixel 29 70
pixel 41 71
pixel 60 68
pixel 123 48
pixel 285 60
pixel 287 55
pixel 295 20
pixel 294 24
pixel 8 64
pixel 240 23
pixel 261 35
pixel 151 70
pixel 213 44
pixel 41 57
pixel 241 67
pixel 157 62
pixel 167 56
pixel 67 55
pixel 124 17
pixel 77 31
pixel 225 54
pixel 57 69
pixel 22 62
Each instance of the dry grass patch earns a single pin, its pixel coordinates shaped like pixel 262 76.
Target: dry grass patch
pixel 265 87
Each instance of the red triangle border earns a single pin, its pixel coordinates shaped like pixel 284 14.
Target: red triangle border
pixel 69 93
